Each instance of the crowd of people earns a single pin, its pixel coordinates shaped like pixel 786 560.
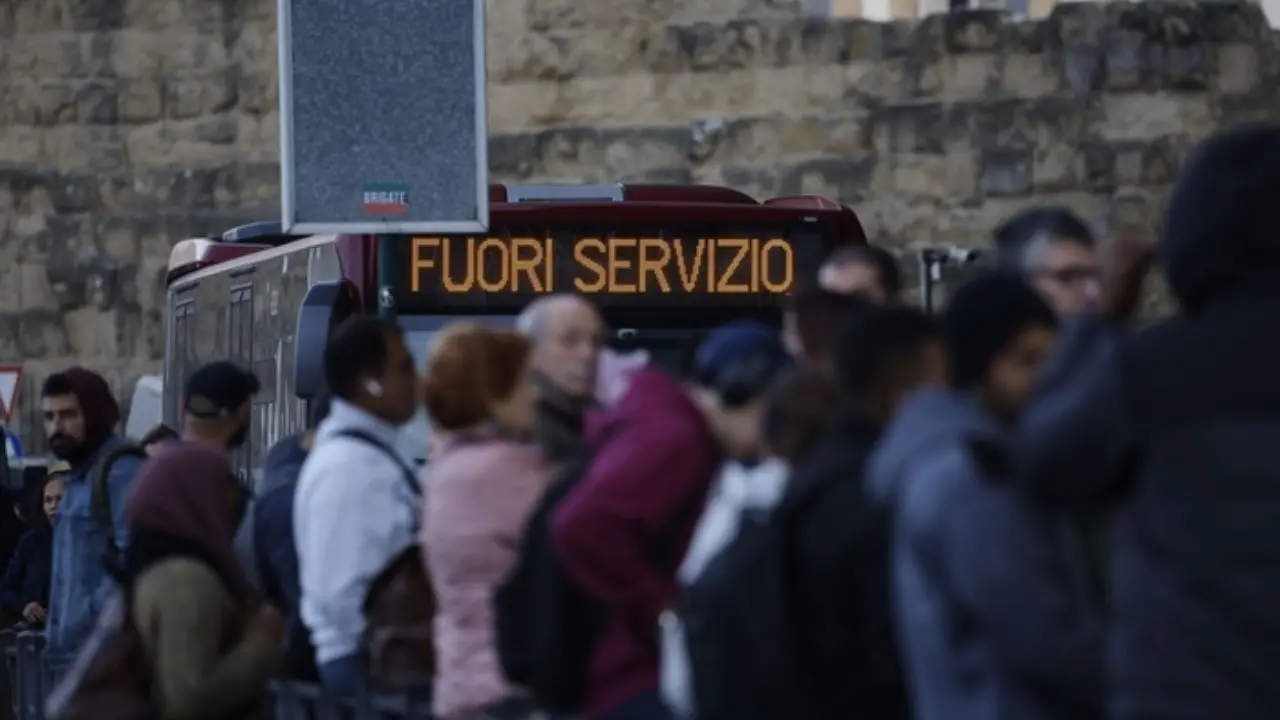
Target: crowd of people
pixel 1025 508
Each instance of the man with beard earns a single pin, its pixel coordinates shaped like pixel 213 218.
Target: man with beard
pixel 567 333
pixel 80 417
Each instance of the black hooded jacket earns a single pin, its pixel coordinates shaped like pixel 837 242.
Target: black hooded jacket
pixel 1178 426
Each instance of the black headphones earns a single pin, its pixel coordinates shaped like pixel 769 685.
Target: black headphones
pixel 744 379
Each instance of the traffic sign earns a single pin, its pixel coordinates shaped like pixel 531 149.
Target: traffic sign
pixel 12 444
pixel 383 127
pixel 10 381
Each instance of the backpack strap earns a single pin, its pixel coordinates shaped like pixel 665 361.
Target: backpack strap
pixel 100 493
pixel 248 547
pixel 410 478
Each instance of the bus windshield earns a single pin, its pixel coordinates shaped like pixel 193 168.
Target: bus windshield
pixel 658 283
pixel 418 333
pixel 666 347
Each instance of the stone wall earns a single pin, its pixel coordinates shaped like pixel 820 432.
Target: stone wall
pixel 126 125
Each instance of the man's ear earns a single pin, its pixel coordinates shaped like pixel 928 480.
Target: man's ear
pixel 992 459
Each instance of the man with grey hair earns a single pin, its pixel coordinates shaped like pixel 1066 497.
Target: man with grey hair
pixel 567 333
pixel 866 270
pixel 1055 250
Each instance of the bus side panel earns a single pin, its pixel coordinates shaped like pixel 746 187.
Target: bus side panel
pixel 247 315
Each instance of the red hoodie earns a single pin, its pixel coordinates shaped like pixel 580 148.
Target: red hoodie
pixel 622 533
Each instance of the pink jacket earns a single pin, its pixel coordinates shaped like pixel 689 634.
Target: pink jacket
pixel 477 499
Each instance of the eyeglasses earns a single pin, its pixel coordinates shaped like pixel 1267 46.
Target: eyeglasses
pixel 1070 275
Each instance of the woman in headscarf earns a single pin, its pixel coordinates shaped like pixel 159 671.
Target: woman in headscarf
pixel 24 589
pixel 212 645
pixel 481 485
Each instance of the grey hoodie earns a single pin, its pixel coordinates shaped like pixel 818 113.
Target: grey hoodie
pixel 991 595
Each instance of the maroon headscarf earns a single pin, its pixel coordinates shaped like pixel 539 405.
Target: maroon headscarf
pixel 99 406
pixel 183 492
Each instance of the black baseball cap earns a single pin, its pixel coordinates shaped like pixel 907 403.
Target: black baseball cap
pixel 218 388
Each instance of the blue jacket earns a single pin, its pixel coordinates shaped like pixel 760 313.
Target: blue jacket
pixel 995 610
pixel 265 540
pixel 26 580
pixel 80 586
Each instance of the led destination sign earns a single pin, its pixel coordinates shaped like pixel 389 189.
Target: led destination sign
pixel 725 269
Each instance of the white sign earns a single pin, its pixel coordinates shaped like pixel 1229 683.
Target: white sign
pixel 10 377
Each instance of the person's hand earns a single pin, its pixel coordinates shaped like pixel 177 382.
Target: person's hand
pixel 268 621
pixel 1130 259
pixel 33 613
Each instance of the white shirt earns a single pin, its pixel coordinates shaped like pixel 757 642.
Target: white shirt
pixel 353 514
pixel 736 489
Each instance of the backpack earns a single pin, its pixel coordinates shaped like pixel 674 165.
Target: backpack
pixel 100 494
pixel 299 662
pixel 546 625
pixel 399 607
pixel 740 628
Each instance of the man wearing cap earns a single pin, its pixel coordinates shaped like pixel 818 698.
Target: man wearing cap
pixel 623 531
pixel 80 416
pixel 215 397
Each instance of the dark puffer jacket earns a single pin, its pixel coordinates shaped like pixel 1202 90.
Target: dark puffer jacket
pixel 1179 426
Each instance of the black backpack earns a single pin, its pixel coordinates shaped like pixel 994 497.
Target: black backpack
pixel 740 625
pixel 100 496
pixel 546 626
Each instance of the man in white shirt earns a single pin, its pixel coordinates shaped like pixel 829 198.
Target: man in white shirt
pixel 357 507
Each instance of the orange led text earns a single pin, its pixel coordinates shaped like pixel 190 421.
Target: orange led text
pixel 591 265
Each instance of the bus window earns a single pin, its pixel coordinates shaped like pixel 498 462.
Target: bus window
pixel 418 333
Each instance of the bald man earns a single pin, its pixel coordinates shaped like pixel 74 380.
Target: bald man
pixel 864 270
pixel 567 333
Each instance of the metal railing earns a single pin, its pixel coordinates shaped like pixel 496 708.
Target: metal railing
pixel 28 681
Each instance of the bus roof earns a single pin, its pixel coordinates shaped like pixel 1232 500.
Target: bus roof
pixel 621 202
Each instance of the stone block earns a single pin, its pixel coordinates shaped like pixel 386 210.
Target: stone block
pixel 138 52
pixel 1237 70
pixel 201 95
pixel 1138 116
pixel 43 335
pixel 833 177
pixel 918 127
pixel 40 102
pixel 593 155
pixel 139 100
pixel 1007 172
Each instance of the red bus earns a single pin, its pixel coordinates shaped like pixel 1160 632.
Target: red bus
pixel 663 262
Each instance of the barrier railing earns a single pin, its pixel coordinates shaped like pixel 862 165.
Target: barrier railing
pixel 28 677
pixel 28 682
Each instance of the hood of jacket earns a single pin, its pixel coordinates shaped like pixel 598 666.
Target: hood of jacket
pixel 649 392
pixel 928 425
pixel 1219 228
pixel 737 489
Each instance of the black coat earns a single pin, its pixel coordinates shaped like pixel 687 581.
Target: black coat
pixel 841 556
pixel 26 579
pixel 1178 426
